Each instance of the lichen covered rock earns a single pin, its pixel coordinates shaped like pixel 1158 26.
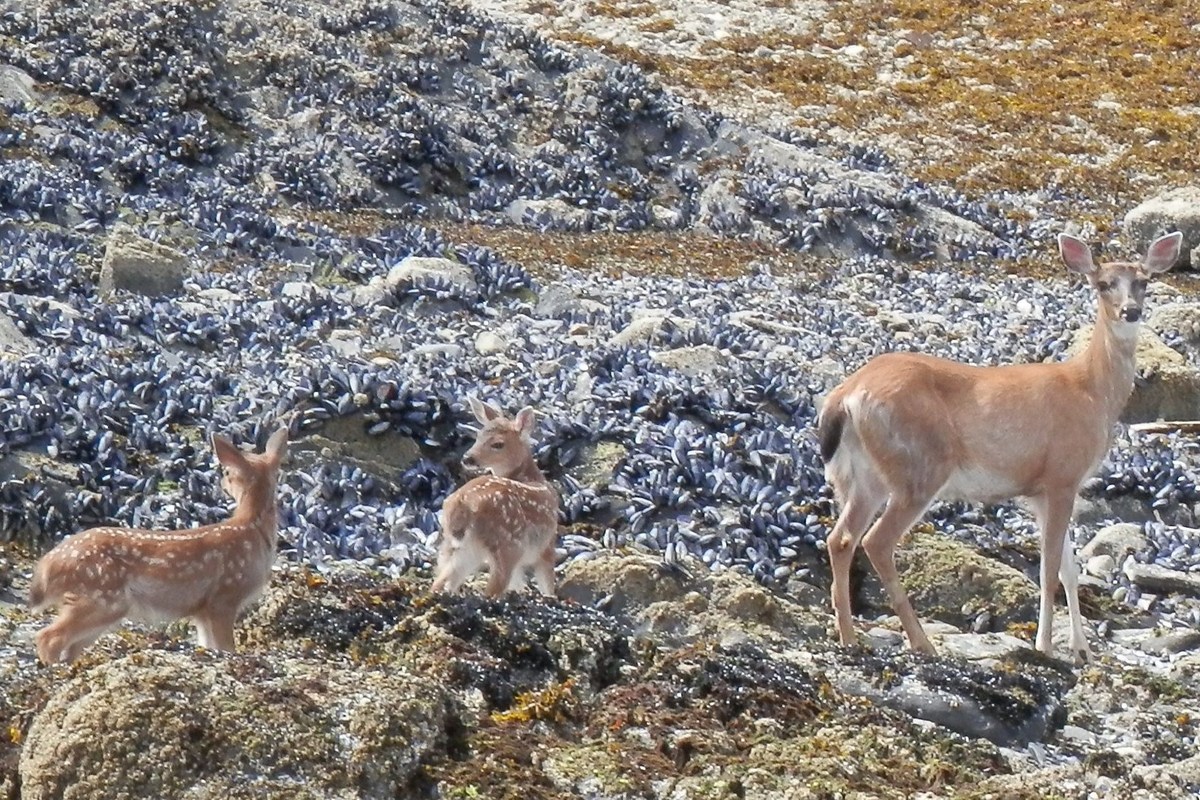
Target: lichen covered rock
pixel 158 724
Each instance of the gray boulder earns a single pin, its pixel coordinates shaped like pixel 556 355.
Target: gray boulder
pixel 134 263
pixel 16 85
pixel 1173 210
pixel 12 341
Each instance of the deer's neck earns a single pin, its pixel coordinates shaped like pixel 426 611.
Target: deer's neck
pixel 257 512
pixel 1109 361
pixel 528 472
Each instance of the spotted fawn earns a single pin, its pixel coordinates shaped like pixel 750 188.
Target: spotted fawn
pixel 507 520
pixel 103 575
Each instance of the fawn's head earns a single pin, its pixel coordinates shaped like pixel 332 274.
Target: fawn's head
pixel 502 446
pixel 1121 285
pixel 247 472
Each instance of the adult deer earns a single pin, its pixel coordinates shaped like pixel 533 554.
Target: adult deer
pixel 908 428
pixel 507 520
pixel 103 575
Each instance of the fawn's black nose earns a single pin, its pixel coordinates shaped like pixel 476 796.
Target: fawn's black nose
pixel 468 460
pixel 1131 314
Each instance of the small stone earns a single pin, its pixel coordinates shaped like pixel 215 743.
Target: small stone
pixel 416 268
pixel 346 343
pixel 694 361
pixel 645 324
pixel 12 341
pixel 488 343
pixel 1170 642
pixel 1101 566
pixel 16 85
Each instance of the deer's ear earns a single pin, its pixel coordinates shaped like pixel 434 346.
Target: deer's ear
pixel 276 447
pixel 526 422
pixel 1163 252
pixel 484 412
pixel 227 452
pixel 1076 254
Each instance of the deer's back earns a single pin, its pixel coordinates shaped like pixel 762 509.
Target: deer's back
pixel 162 575
pixel 500 507
pixel 1021 421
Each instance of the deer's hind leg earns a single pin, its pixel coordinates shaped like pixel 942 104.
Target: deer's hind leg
pixel 458 560
pixel 861 496
pixel 214 629
pixel 79 623
pixel 543 571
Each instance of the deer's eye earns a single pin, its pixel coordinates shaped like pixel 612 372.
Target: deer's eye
pixel 497 445
pixel 1103 286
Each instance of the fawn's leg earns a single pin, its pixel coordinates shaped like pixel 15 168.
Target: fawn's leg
pixel 457 562
pixel 543 571
pixel 78 625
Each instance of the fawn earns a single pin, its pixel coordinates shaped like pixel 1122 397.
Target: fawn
pixel 507 520
pixel 103 575
pixel 908 428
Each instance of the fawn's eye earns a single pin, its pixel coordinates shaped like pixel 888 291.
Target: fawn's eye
pixel 1103 286
pixel 497 445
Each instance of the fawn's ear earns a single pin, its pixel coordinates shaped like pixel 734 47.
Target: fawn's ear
pixel 1163 252
pixel 276 447
pixel 227 452
pixel 1076 254
pixel 484 412
pixel 526 422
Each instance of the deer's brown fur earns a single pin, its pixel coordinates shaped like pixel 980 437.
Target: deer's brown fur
pixel 209 574
pixel 507 520
pixel 908 428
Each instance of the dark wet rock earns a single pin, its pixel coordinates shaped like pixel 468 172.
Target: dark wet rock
pixel 500 648
pixel 1174 210
pixel 1006 707
pixel 175 725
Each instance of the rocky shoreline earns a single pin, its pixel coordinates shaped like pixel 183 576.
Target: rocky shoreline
pixel 221 213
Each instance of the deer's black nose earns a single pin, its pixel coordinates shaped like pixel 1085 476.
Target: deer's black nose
pixel 1131 314
pixel 468 460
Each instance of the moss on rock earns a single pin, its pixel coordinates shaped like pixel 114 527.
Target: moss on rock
pixel 942 575
pixel 158 724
